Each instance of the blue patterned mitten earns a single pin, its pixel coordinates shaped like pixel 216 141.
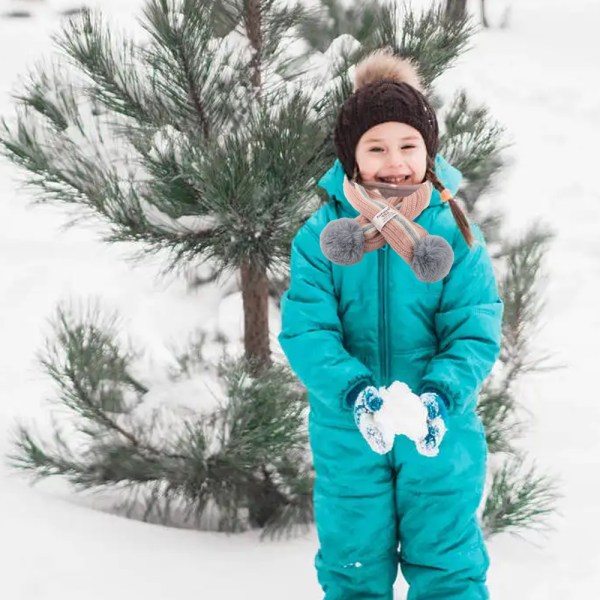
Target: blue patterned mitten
pixel 437 416
pixel 368 402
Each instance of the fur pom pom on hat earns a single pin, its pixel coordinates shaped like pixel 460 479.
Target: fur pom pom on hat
pixel 382 64
pixel 386 88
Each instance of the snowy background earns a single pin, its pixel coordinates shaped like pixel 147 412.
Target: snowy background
pixel 540 77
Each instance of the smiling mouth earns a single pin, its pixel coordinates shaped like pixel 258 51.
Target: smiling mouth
pixel 397 180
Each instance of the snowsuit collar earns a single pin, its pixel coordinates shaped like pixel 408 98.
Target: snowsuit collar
pixel 333 183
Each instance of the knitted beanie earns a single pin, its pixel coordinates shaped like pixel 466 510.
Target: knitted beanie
pixel 387 88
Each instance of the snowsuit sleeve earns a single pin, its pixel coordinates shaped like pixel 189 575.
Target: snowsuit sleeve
pixel 311 332
pixel 468 325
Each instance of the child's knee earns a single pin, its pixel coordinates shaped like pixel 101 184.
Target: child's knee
pixel 463 579
pixel 451 569
pixel 363 577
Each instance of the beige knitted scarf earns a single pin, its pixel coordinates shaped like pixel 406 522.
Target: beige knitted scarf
pixel 389 220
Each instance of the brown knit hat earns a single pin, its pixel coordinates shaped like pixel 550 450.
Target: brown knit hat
pixel 386 88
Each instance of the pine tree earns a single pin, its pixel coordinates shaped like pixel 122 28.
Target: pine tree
pixel 198 142
pixel 208 131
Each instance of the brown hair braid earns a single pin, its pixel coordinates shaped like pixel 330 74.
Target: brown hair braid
pixel 457 212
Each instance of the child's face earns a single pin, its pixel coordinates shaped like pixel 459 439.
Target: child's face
pixel 392 152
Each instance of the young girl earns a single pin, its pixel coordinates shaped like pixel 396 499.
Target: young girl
pixel 351 331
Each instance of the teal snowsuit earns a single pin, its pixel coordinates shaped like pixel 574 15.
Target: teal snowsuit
pixel 374 322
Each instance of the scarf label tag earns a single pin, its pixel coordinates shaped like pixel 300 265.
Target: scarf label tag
pixel 383 216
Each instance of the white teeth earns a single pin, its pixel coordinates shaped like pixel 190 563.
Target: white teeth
pixel 394 179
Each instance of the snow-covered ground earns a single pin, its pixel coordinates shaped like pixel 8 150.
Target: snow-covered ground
pixel 540 79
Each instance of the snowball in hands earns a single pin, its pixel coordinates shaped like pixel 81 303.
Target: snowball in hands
pixel 402 413
pixel 382 414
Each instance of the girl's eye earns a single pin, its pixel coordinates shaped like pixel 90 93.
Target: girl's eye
pixel 379 149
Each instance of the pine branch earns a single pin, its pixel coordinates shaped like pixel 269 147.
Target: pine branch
pixel 55 109
pixel 182 34
pixel 247 458
pixel 520 289
pixel 25 151
pixel 30 455
pixel 333 18
pixel 430 38
pixel 88 41
pixel 189 357
pixel 99 187
pixel 279 24
pixel 296 515
pixel 92 373
pixel 168 185
pixel 520 499
pixel 335 93
pixel 257 415
pixel 473 143
pixel 497 408
pixel 259 200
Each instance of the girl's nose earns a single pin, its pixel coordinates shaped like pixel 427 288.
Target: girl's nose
pixel 395 159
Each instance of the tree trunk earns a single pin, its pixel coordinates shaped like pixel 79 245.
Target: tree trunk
pixel 505 18
pixel 484 20
pixel 254 32
pixel 255 284
pixel 255 296
pixel 456 9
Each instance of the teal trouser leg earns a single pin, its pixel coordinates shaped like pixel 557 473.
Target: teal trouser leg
pixel 355 516
pixel 442 554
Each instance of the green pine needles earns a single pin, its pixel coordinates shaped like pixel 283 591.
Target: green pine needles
pixel 242 463
pixel 519 498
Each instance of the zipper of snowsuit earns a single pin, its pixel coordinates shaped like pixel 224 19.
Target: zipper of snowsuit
pixel 383 338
